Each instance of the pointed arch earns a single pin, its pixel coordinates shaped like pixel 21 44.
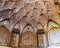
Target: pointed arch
pixel 50 20
pixel 54 24
pixel 29 26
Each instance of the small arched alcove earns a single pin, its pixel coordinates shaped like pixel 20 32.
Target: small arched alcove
pixel 53 33
pixel 4 36
pixel 28 37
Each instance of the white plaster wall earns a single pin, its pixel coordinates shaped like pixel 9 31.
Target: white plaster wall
pixel 54 38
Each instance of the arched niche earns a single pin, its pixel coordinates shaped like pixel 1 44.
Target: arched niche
pixel 53 32
pixel 4 36
pixel 15 36
pixel 28 39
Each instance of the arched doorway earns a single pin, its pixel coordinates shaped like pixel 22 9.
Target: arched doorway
pixel 28 40
pixel 4 36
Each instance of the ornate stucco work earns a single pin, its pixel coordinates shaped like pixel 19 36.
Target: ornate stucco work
pixel 34 12
pixel 29 21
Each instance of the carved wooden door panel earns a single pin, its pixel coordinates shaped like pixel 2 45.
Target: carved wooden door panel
pixel 4 36
pixel 28 40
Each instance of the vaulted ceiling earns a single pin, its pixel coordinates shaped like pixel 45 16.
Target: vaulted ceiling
pixel 35 12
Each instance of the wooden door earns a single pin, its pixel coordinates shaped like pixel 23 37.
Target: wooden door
pixel 4 36
pixel 28 40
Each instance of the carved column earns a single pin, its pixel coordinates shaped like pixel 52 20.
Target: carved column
pixel 15 38
pixel 37 42
pixel 40 33
pixel 45 40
